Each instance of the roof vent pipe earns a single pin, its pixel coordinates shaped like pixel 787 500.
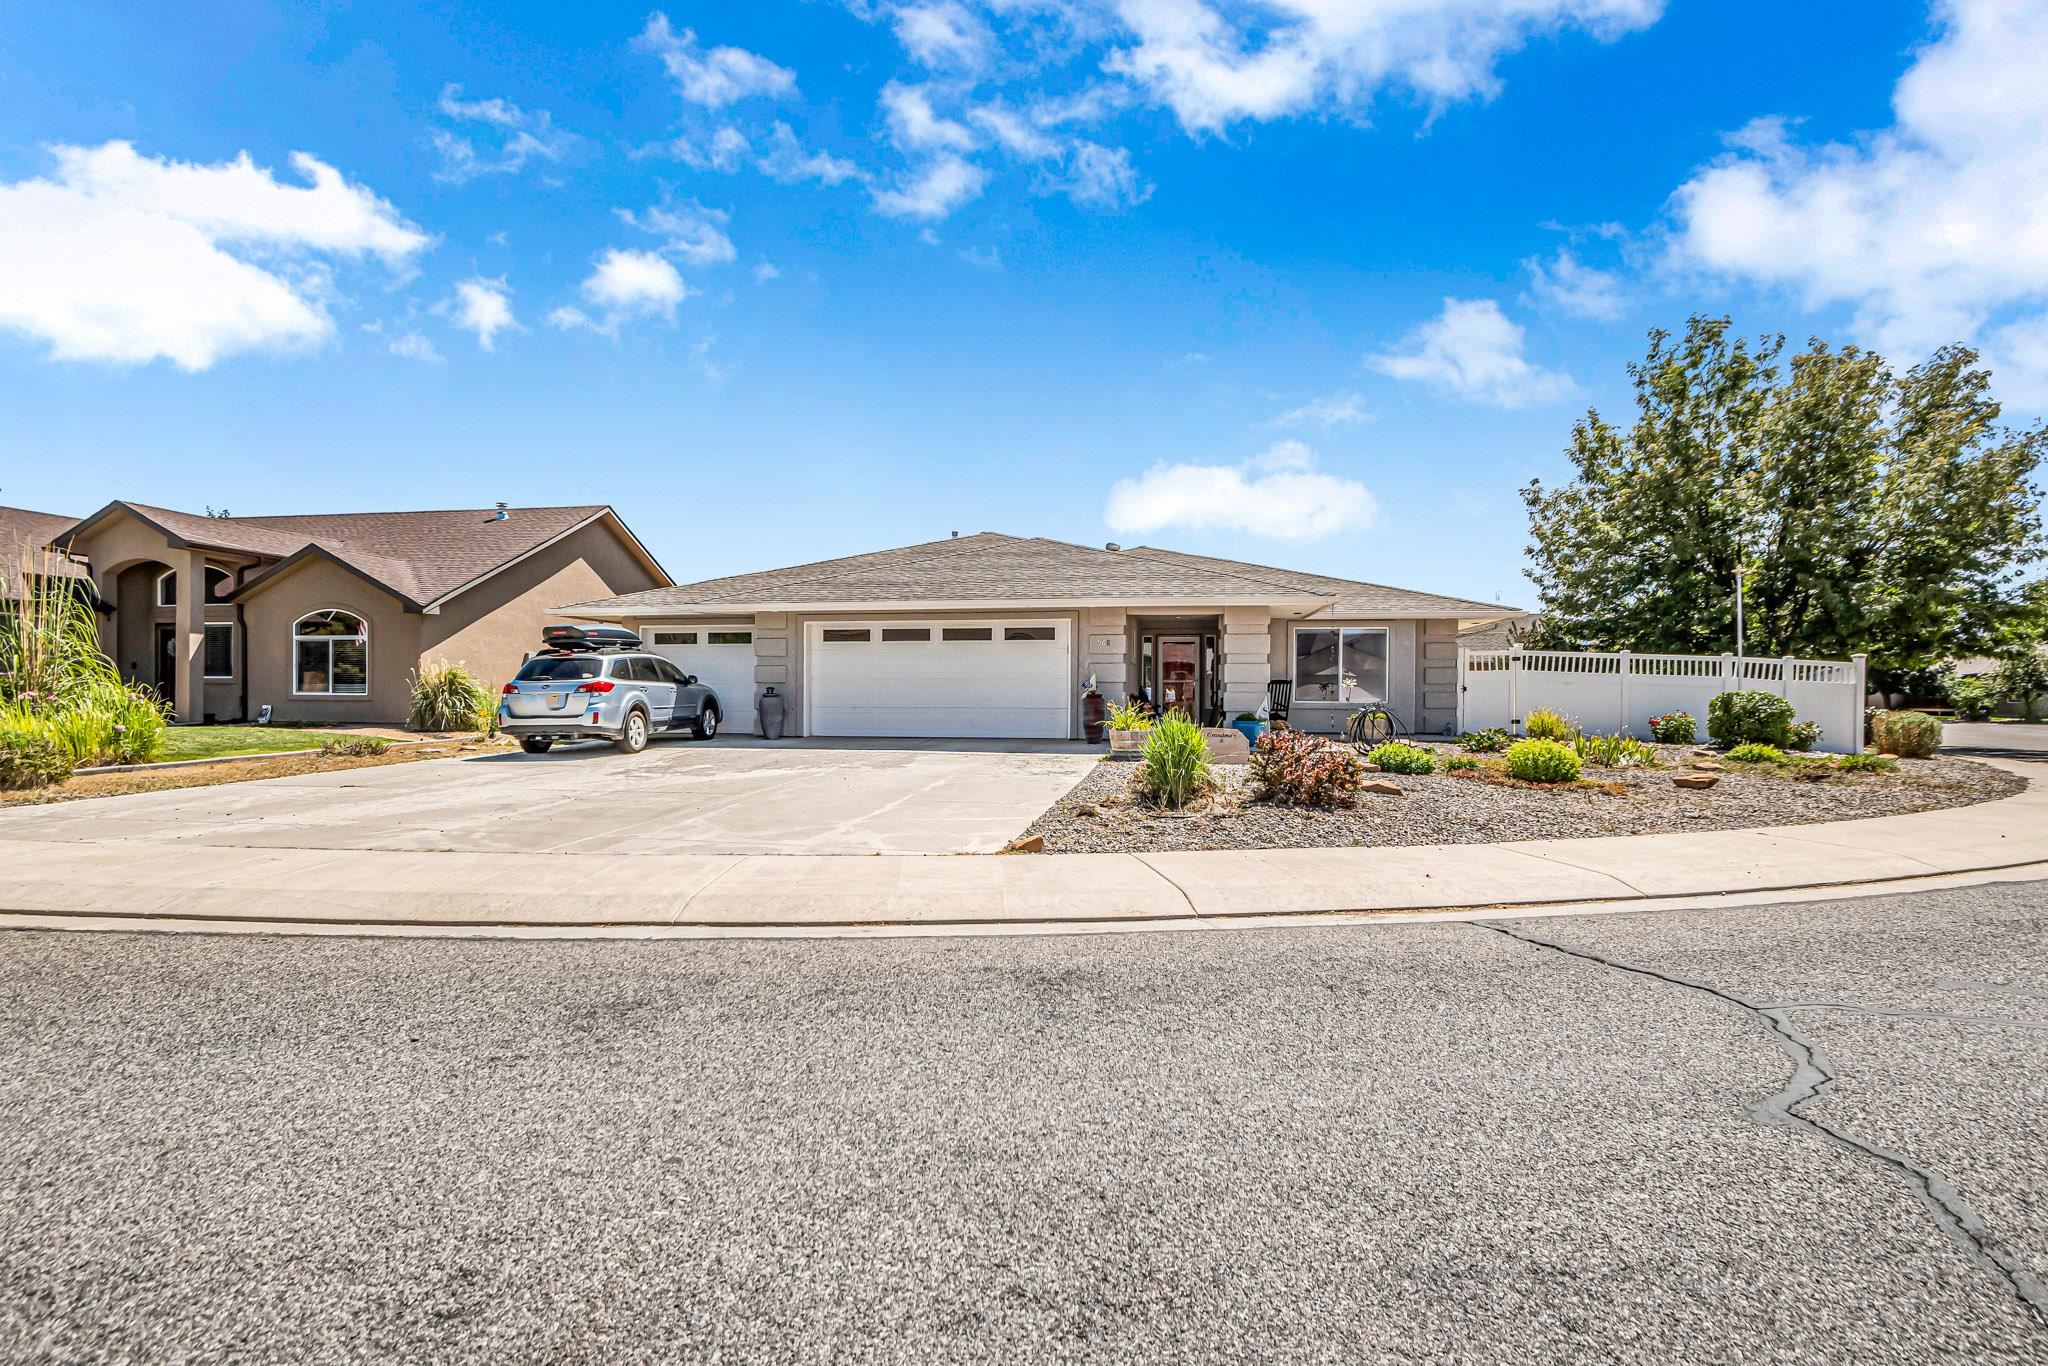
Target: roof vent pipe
pixel 956 535
pixel 502 515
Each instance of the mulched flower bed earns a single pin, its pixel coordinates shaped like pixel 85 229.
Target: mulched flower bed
pixel 1100 816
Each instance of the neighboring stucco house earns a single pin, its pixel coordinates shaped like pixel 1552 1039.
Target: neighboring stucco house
pixel 25 537
pixel 993 635
pixel 326 618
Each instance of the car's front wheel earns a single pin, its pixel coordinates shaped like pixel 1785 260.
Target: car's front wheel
pixel 706 724
pixel 633 738
pixel 536 746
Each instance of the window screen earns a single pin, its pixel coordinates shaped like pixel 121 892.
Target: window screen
pixel 220 652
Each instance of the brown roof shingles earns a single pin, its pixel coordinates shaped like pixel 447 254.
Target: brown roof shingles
pixel 22 535
pixel 421 556
pixel 992 567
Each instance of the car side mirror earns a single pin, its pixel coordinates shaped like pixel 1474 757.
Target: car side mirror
pixel 689 680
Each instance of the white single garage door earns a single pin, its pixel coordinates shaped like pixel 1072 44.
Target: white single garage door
pixel 722 657
pixel 999 679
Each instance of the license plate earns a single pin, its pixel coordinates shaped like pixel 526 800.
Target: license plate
pixel 558 700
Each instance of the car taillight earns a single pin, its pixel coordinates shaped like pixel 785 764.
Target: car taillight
pixel 508 690
pixel 601 685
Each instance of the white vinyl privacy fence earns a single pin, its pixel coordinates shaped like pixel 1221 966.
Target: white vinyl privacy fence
pixel 1605 693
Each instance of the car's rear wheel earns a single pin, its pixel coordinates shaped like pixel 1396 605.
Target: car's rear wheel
pixel 706 724
pixel 633 738
pixel 536 746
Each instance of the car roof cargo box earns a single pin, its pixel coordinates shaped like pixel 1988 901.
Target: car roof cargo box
pixel 578 638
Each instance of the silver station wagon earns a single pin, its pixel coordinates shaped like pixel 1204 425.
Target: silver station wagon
pixel 596 683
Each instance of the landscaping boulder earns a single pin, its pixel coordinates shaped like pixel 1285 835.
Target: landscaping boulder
pixel 1696 781
pixel 1029 844
pixel 1227 746
pixel 1380 786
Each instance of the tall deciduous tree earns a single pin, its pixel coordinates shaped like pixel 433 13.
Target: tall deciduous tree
pixel 1874 511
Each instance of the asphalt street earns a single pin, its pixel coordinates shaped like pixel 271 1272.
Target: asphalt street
pixel 1788 1134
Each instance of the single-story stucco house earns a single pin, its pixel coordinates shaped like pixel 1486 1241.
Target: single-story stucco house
pixel 999 636
pixel 326 618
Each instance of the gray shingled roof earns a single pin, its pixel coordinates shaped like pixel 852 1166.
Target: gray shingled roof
pixel 992 567
pixel 420 556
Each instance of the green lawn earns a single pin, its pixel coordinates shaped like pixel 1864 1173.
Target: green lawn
pixel 211 742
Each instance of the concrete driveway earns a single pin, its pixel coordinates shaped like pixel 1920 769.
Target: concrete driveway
pixel 732 797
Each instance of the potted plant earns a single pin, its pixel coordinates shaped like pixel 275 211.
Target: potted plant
pixel 1129 727
pixel 1249 726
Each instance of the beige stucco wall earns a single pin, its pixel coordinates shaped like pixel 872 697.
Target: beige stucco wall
pixel 127 556
pixel 315 585
pixel 493 627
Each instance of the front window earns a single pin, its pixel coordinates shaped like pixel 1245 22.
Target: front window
pixel 331 653
pixel 1334 664
pixel 219 583
pixel 220 650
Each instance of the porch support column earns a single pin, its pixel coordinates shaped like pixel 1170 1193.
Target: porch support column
pixel 1247 659
pixel 190 637
pixel 1106 654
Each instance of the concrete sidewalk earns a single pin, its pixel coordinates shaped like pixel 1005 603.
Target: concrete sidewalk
pixel 110 881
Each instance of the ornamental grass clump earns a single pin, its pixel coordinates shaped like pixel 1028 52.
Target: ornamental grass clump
pixel 450 697
pixel 1293 768
pixel 1908 734
pixel 1543 761
pixel 1545 724
pixel 56 682
pixel 1174 769
pixel 1129 716
pixel 1396 757
pixel 1614 751
pixel 1674 728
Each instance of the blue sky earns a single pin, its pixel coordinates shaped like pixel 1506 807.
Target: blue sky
pixel 1314 282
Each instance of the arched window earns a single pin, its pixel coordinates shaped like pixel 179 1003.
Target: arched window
pixel 219 583
pixel 331 655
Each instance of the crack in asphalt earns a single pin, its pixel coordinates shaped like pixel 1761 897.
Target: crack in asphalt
pixel 1812 1078
pixel 1899 1013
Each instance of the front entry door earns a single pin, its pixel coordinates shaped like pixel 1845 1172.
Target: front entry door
pixel 167 663
pixel 1180 675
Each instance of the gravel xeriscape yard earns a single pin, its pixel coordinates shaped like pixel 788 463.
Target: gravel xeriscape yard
pixel 1439 809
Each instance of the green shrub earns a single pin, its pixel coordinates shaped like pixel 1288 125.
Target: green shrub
pixel 1543 761
pixel 450 697
pixel 1175 767
pixel 354 746
pixel 1545 724
pixel 1614 751
pixel 1754 753
pixel 1802 735
pixel 1395 757
pixel 2022 679
pixel 1458 762
pixel 1674 728
pixel 1129 716
pixel 1972 698
pixel 1908 734
pixel 1866 763
pixel 29 754
pixel 1492 740
pixel 1735 718
pixel 1293 768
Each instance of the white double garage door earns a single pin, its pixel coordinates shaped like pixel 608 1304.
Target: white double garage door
pixel 995 678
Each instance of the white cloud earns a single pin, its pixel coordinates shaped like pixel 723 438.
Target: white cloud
pixel 623 286
pixel 786 160
pixel 914 126
pixel 1296 56
pixel 1102 177
pixel 1337 410
pixel 942 33
pixel 524 137
pixel 694 233
pixel 1934 229
pixel 982 258
pixel 933 191
pixel 1472 351
pixel 765 272
pixel 1279 493
pixel 724 150
pixel 1014 133
pixel 415 346
pixel 1576 288
pixel 484 306
pixel 128 258
pixel 717 78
